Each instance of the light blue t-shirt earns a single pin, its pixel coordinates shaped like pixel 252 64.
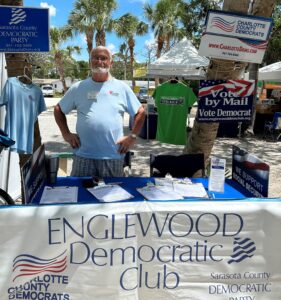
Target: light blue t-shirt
pixel 100 109
pixel 24 102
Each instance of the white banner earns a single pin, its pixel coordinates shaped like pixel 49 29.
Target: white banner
pixel 223 47
pixel 145 250
pixel 237 25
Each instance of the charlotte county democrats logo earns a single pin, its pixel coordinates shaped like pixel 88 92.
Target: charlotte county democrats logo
pixel 242 248
pixel 25 265
pixel 18 16
pixel 222 24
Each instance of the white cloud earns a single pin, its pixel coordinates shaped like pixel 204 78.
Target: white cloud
pixel 141 1
pixel 52 9
pixel 151 42
pixel 112 48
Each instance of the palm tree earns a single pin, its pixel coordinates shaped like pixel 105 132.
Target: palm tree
pixel 203 135
pixel 58 36
pixel 165 22
pixel 120 61
pixel 90 16
pixel 73 49
pixel 103 10
pixel 128 26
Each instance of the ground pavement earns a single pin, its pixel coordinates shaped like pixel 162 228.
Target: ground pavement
pixel 270 152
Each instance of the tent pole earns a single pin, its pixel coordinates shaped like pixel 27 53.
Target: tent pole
pixel 147 112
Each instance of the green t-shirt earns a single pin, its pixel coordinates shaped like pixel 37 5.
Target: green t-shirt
pixel 172 101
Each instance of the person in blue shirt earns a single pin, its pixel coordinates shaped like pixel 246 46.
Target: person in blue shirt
pixel 101 102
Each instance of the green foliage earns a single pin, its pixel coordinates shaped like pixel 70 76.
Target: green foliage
pixel 169 19
pixel 173 19
pixel 82 70
pixel 193 14
pixel 273 52
pixel 118 70
pixel 165 21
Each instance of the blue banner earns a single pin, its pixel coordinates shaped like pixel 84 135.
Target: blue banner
pixel 250 172
pixel 225 100
pixel 34 175
pixel 24 29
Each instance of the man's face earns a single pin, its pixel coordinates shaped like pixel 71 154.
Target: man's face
pixel 100 61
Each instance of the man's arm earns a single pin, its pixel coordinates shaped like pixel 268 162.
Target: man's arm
pixel 128 141
pixel 138 121
pixel 61 120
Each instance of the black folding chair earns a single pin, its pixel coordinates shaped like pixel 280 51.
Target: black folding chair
pixel 272 130
pixel 184 165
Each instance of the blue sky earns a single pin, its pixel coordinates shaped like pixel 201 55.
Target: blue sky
pixel 59 11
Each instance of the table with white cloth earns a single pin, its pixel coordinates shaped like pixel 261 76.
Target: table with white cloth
pixel 192 249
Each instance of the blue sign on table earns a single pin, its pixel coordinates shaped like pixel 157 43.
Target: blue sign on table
pixel 225 100
pixel 250 172
pixel 34 175
pixel 24 29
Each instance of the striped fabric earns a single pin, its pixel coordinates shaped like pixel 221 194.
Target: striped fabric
pixel 96 167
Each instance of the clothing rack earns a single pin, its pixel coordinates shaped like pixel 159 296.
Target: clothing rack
pixel 17 68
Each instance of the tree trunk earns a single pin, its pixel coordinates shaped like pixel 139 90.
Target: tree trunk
pixel 100 38
pixel 89 39
pixel 160 45
pixel 131 45
pixel 203 135
pixel 60 65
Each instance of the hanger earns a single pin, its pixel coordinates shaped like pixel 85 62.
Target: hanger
pixel 174 80
pixel 25 78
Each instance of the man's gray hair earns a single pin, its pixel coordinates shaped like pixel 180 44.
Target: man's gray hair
pixel 102 48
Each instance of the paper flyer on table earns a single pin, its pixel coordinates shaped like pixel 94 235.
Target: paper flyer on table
pixel 171 181
pixel 184 187
pixel 59 194
pixel 196 190
pixel 110 193
pixel 153 192
pixel 217 175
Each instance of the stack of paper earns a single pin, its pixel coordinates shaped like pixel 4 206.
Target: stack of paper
pixel 154 192
pixel 59 194
pixel 110 193
pixel 190 190
pixel 173 189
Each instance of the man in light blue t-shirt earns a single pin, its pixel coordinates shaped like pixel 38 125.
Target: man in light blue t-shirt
pixel 100 101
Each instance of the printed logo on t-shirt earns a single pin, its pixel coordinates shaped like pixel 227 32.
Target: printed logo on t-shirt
pixel 172 100
pixel 30 97
pixel 113 93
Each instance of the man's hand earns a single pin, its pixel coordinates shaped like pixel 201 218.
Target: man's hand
pixel 125 143
pixel 72 139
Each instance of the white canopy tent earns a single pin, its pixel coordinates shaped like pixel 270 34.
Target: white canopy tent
pixel 271 72
pixel 182 61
